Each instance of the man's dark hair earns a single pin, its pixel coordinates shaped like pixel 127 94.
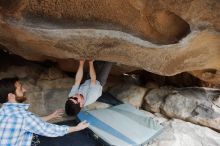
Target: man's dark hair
pixel 7 86
pixel 71 108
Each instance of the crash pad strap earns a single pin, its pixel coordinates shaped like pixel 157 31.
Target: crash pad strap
pixel 101 125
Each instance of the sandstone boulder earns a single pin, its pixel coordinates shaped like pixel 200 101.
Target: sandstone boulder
pixel 131 94
pixel 196 105
pixel 180 133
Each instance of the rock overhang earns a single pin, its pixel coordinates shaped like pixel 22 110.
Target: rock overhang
pixel 136 33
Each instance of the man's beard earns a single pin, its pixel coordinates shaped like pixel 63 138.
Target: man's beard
pixel 20 99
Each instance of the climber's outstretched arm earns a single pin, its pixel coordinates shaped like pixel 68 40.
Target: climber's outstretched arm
pixel 79 73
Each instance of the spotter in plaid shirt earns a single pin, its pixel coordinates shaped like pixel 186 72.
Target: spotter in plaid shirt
pixel 17 125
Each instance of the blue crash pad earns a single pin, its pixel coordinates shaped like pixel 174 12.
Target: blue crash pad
pixel 121 125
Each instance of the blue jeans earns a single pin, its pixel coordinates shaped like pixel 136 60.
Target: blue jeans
pixel 102 69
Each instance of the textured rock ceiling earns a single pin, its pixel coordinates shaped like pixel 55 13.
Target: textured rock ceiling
pixel 163 37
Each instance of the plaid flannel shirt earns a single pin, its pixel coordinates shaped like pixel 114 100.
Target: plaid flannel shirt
pixel 17 126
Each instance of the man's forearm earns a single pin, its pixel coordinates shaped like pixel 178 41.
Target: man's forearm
pixel 46 118
pixel 80 126
pixel 79 73
pixel 73 129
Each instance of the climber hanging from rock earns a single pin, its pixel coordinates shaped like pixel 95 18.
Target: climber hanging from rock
pixel 87 93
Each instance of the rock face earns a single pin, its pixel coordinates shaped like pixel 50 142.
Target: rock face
pixel 197 105
pixel 129 94
pixel 165 38
pixel 46 92
pixel 180 133
pixel 134 17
